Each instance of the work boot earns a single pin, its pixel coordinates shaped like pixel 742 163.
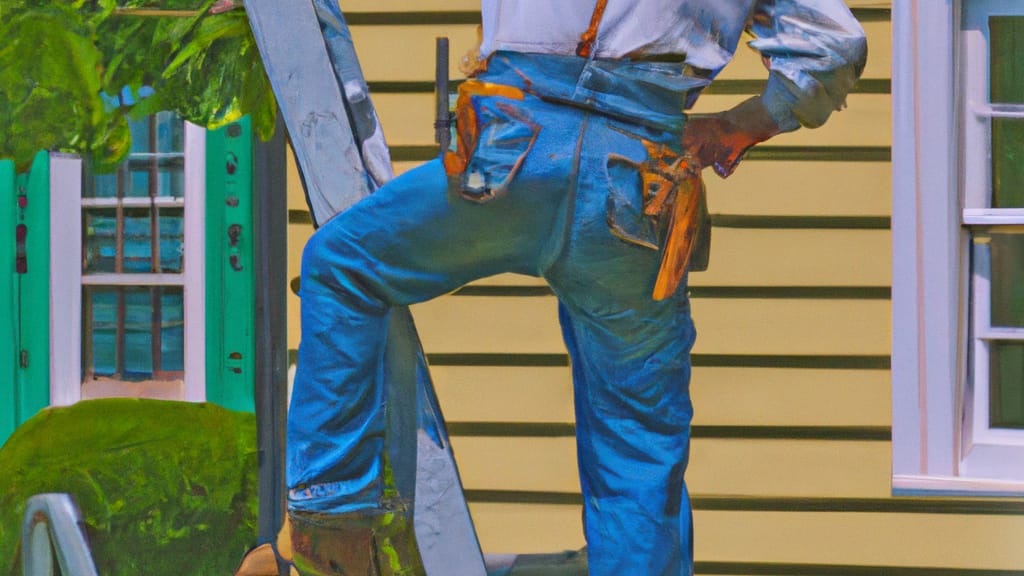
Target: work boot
pixel 370 542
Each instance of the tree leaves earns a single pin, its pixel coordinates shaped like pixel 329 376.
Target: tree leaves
pixel 57 58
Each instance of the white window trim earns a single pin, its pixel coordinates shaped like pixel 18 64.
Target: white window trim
pixel 65 279
pixel 66 271
pixel 195 267
pixel 931 253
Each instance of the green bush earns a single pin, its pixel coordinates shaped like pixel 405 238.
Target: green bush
pixel 165 488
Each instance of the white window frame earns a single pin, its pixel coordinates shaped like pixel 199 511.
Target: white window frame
pixel 941 440
pixel 66 303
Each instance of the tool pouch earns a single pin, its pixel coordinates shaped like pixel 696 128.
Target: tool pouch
pixel 669 215
pixel 494 135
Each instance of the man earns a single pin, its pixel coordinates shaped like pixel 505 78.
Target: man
pixel 575 163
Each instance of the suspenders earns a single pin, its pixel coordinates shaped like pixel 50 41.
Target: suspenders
pixel 586 45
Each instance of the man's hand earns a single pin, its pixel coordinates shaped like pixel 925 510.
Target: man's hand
pixel 720 140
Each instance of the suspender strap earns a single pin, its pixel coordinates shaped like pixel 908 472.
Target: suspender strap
pixel 586 45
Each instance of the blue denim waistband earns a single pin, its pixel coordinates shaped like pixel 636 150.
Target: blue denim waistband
pixel 650 93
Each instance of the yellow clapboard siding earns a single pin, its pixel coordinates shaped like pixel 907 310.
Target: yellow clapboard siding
pixel 795 468
pixel 936 540
pixel 408 119
pixel 790 397
pixel 721 396
pixel 858 539
pixel 804 189
pixel 298 235
pixel 296 195
pixel 460 5
pixel 527 528
pixel 758 257
pixel 454 324
pixel 798 188
pixel 823 327
pixel 504 393
pixel 404 53
pixel 788 468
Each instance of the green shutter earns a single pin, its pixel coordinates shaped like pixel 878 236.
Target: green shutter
pixel 24 293
pixel 8 316
pixel 230 280
pixel 34 293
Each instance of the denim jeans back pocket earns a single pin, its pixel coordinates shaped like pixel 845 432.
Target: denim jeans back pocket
pixel 505 134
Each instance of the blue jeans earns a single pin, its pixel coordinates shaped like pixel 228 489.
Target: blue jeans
pixel 418 237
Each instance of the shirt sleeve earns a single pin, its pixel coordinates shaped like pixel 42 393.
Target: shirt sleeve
pixel 815 50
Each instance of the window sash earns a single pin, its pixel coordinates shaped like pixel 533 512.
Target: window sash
pixel 985 451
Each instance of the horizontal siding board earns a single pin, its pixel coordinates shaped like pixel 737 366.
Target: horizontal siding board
pixel 504 394
pixel 408 120
pixel 752 257
pixel 921 540
pixel 717 467
pixel 791 327
pixel 408 52
pixel 721 396
pixel 529 528
pixel 789 397
pixel 804 188
pixel 957 544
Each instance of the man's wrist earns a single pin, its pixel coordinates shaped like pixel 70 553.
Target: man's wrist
pixel 752 119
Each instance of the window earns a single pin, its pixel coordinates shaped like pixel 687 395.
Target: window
pixel 142 247
pixel 993 215
pixel 958 234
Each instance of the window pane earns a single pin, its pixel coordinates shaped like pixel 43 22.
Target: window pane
pixel 170 133
pixel 1008 280
pixel 166 172
pixel 1007 87
pixel 172 330
pixel 104 186
pixel 1007 66
pixel 146 341
pixel 172 240
pixel 102 330
pixel 138 334
pixel 100 229
pixel 1007 163
pixel 1006 380
pixel 138 245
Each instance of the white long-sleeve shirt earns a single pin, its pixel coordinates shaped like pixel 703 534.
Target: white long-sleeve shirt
pixel 815 48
